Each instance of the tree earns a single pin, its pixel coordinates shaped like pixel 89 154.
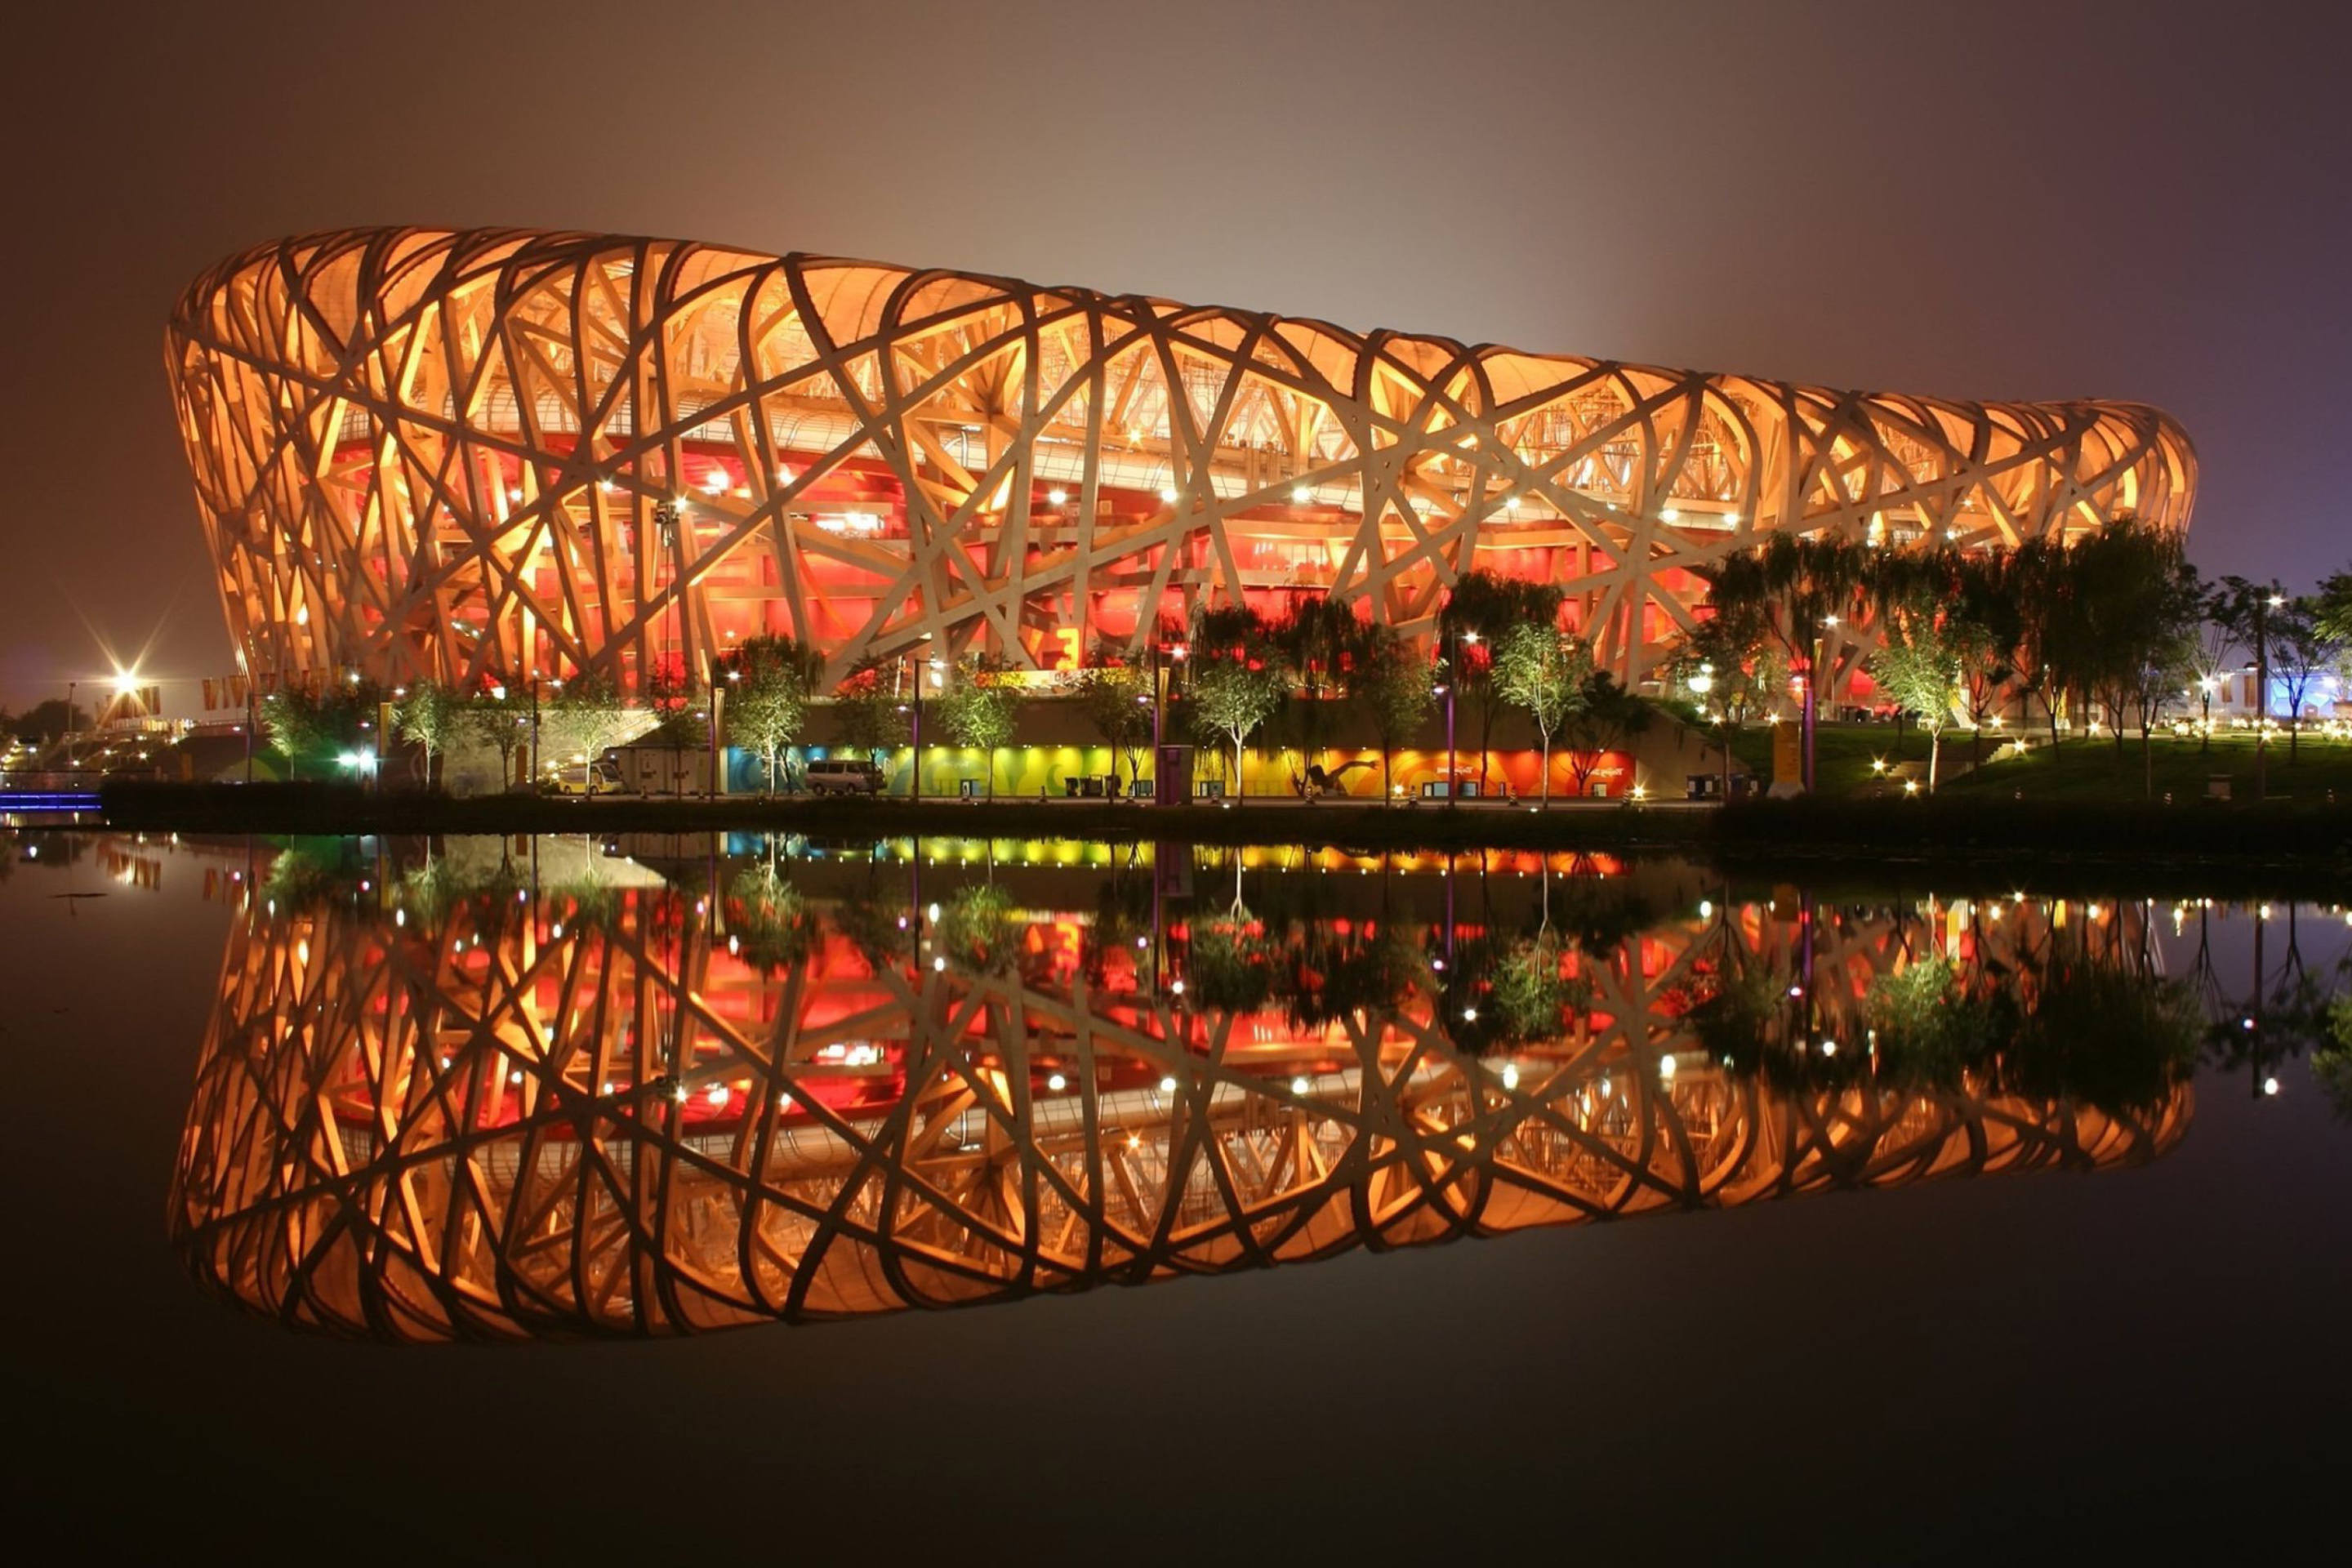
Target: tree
pixel 431 716
pixel 585 715
pixel 1986 628
pixel 1117 699
pixel 2134 605
pixel 772 925
pixel 768 681
pixel 1798 589
pixel 977 708
pixel 869 714
pixel 1604 719
pixel 1238 677
pixel 493 719
pixel 1392 686
pixel 2302 651
pixel 1731 663
pixel 1918 665
pixel 2332 606
pixel 1545 671
pixel 2049 648
pixel 1320 640
pixel 317 726
pixel 2217 644
pixel 1479 609
pixel 48 720
pixel 668 690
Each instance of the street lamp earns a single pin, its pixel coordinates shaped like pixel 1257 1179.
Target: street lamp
pixel 1446 690
pixel 1160 675
pixel 2262 607
pixel 914 707
pixel 1700 684
pixel 1453 678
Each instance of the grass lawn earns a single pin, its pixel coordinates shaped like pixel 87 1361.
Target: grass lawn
pixel 2079 768
pixel 1843 752
pixel 2083 768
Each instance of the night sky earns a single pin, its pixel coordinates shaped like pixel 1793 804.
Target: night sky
pixel 1991 201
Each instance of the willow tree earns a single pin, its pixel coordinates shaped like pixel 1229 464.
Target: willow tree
pixel 1479 609
pixel 1799 589
pixel 1730 663
pixel 1321 639
pixel 1394 687
pixel 1545 671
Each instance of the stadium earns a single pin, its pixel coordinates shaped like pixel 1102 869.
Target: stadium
pixel 497 455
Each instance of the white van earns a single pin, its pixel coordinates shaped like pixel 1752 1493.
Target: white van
pixel 844 775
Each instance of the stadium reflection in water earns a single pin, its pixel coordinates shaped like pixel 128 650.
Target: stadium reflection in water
pixel 439 1103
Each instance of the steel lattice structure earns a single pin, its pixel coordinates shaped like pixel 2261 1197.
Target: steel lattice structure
pixel 421 453
pixel 518 1122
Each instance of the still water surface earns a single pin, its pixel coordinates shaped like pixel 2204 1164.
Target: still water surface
pixel 340 1164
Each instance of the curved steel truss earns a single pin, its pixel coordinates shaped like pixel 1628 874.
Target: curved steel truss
pixel 531 1118
pixel 458 455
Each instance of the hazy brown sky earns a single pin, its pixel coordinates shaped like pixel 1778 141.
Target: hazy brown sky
pixel 1986 200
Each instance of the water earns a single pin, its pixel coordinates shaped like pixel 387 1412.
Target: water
pixel 1457 1201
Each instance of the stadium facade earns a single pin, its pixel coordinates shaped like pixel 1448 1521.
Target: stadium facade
pixel 495 455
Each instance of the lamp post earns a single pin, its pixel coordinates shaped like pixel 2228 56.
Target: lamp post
pixel 914 709
pixel 718 711
pixel 1452 679
pixel 2263 604
pixel 1813 695
pixel 1446 689
pixel 1160 677
pixel 1701 684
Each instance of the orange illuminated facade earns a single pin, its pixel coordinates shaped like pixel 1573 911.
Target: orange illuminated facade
pixel 488 455
pixel 647 1112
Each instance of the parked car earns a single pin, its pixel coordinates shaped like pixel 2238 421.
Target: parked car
pixel 844 775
